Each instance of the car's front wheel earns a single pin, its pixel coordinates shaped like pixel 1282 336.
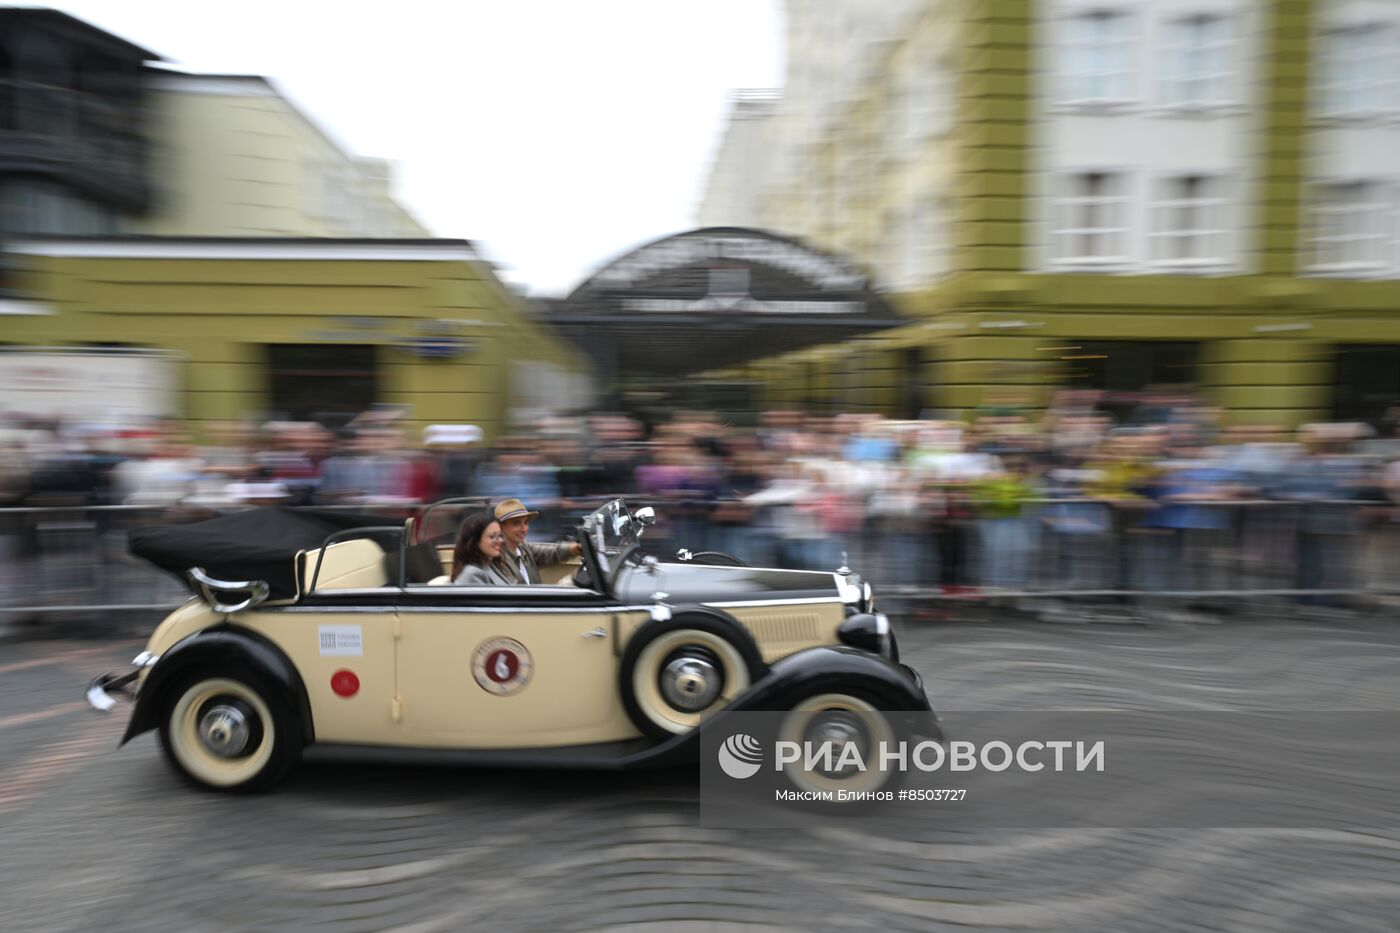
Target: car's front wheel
pixel 227 732
pixel 843 737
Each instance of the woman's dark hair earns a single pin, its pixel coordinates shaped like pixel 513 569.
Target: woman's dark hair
pixel 467 550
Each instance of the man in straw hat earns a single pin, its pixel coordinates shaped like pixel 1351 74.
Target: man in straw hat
pixel 520 561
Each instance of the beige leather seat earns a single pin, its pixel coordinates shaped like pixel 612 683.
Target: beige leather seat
pixel 348 565
pixel 560 573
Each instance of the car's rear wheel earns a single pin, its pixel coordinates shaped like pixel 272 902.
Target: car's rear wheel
pixel 832 726
pixel 675 673
pixel 226 731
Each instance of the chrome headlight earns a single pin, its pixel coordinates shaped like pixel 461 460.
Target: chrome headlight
pixel 870 631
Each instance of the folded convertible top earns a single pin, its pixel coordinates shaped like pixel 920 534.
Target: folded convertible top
pixel 257 544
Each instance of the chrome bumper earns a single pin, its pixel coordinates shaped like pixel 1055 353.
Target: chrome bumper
pixel 100 691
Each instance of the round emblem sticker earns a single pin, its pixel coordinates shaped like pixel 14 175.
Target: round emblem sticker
pixel 502 666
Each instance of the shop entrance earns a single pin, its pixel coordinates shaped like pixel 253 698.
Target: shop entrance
pixel 1125 370
pixel 326 383
pixel 1366 381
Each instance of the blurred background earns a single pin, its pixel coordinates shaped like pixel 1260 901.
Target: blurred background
pixel 1026 310
pixel 1013 298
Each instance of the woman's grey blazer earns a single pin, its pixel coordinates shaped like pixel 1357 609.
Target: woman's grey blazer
pixel 472 575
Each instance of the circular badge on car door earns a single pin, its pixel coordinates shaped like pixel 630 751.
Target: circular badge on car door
pixel 502 666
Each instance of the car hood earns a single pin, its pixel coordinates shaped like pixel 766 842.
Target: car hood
pixel 693 583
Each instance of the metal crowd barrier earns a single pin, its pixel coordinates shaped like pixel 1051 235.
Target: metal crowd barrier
pixel 72 560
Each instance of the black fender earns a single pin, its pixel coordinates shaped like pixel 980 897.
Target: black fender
pixel 219 647
pixel 889 685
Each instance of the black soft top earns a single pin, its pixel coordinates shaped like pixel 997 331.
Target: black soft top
pixel 257 544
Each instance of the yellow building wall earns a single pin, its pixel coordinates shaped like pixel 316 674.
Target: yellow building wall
pixel 235 158
pixel 219 315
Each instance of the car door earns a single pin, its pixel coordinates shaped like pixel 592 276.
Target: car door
pixel 508 667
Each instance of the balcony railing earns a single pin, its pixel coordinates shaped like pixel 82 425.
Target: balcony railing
pixel 80 138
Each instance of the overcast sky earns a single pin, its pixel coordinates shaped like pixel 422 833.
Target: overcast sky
pixel 555 133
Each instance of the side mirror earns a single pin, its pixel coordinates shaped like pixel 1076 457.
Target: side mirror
pixel 645 516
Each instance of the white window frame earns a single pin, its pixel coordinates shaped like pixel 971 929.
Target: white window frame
pixel 896 144
pixel 1211 224
pixel 937 89
pixel 1070 52
pixel 1334 93
pixel 1179 46
pixel 1064 202
pixel 1380 211
pixel 889 237
pixel 936 231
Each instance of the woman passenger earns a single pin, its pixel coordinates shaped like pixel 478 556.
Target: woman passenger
pixel 478 545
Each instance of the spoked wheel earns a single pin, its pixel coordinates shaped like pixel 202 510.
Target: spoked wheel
pixel 226 733
pixel 833 726
pixel 678 672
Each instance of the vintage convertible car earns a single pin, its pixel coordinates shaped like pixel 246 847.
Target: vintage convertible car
pixel 317 627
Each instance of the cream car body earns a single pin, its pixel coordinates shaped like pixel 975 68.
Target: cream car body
pixel 627 649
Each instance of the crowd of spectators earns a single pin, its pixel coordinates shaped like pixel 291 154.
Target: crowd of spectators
pixel 1148 495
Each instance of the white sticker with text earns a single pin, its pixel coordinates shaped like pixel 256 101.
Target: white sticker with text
pixel 340 641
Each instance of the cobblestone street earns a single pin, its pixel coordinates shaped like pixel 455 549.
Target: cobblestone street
pixel 96 838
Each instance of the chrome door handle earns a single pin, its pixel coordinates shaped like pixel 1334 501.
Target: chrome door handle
pixel 596 633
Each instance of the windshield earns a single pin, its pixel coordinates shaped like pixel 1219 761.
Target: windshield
pixel 613 530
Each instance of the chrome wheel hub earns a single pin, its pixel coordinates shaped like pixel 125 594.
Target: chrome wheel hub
pixel 224 730
pixel 690 682
pixel 838 731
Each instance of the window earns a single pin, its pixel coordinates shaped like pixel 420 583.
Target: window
pixel 911 383
pixel 1352 227
pixel 40 208
pixel 1097 63
pixel 1198 63
pixel 911 246
pixel 1188 221
pixel 1089 224
pixel 330 383
pixel 377 223
pixel 1131 365
pixel 941 97
pixel 337 200
pixel 928 103
pixel 1366 383
pixel 915 238
pixel 1359 70
pixel 729 281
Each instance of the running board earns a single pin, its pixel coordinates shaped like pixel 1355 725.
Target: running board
pixel 603 756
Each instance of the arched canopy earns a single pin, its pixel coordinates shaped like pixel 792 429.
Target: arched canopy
pixel 717 297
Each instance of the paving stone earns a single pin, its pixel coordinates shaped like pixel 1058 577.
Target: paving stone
pixel 110 838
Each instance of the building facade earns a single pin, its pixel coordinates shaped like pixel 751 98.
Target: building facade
pixel 305 329
pixel 698 300
pixel 74 156
pixel 98 139
pixel 1113 194
pixel 234 157
pixel 736 179
pixel 207 218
